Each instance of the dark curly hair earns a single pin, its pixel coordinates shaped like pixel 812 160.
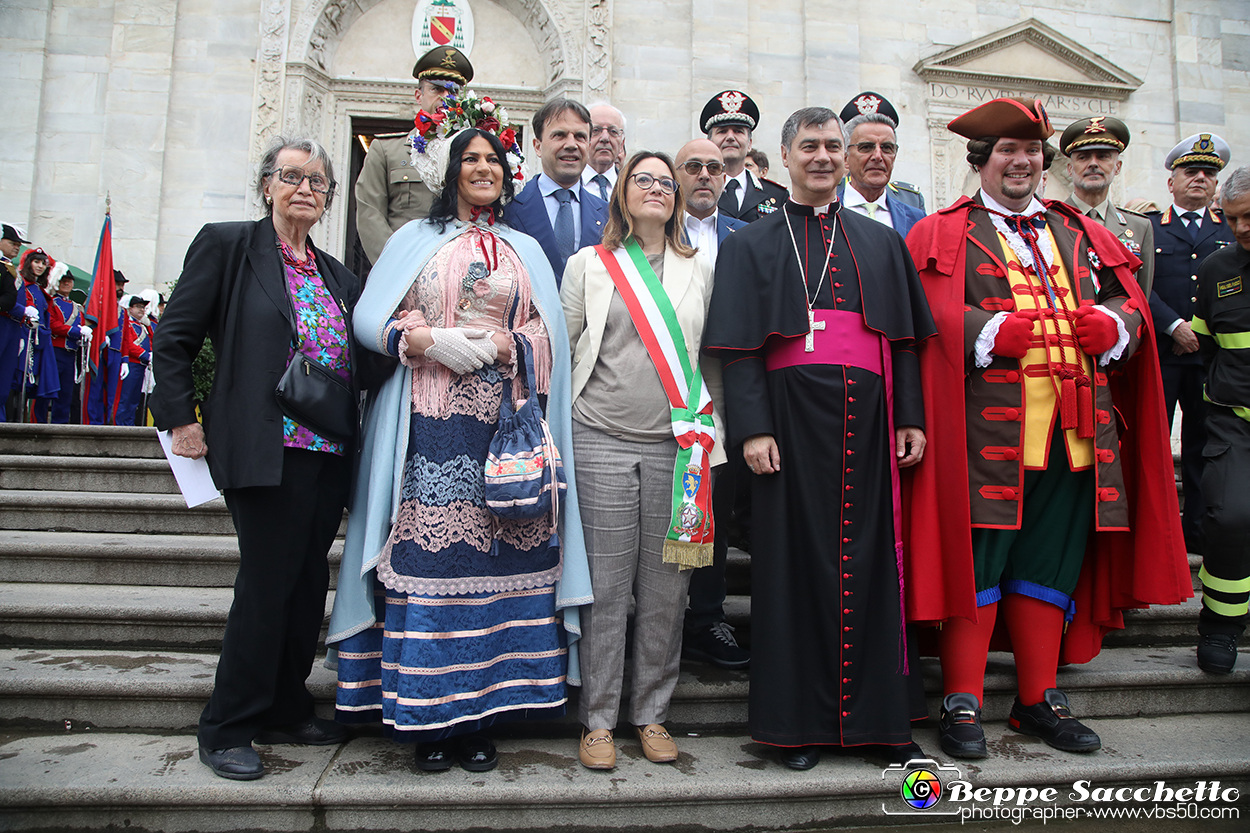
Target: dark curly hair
pixel 979 151
pixel 447 204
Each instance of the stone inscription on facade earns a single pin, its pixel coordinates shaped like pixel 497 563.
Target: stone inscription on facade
pixel 960 94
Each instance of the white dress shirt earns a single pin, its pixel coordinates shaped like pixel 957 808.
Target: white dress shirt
pixel 744 182
pixel 548 187
pixel 590 173
pixel 702 235
pixel 852 198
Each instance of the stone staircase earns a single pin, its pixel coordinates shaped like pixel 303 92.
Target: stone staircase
pixel 113 596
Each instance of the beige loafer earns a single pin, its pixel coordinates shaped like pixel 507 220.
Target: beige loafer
pixel 597 751
pixel 657 743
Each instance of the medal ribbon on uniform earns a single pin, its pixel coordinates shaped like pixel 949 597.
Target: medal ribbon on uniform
pixel 688 541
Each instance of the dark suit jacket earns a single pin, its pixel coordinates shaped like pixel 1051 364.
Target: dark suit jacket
pixel 233 290
pixel 1177 258
pixel 527 213
pixel 762 198
pixel 902 215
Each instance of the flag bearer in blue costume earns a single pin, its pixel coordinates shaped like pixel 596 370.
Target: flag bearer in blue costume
pixel 817 314
pixel 1222 324
pixel 447 619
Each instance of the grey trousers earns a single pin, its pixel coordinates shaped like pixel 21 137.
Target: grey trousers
pixel 625 490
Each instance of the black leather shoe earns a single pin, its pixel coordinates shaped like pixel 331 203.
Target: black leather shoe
pixel 902 754
pixel 959 727
pixel 238 763
pixel 476 753
pixel 1217 653
pixel 315 731
pixel 434 756
pixel 1052 721
pixel 802 757
pixel 715 644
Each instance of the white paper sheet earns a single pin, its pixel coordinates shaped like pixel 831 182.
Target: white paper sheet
pixel 192 475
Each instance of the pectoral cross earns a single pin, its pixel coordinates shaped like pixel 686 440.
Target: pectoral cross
pixel 809 344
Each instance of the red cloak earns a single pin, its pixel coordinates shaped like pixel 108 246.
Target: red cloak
pixel 1122 570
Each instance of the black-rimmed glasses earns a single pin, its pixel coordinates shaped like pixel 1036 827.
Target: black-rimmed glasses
pixel 291 175
pixel 693 167
pixel 646 181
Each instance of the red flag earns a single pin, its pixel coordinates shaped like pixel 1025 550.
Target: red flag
pixel 101 309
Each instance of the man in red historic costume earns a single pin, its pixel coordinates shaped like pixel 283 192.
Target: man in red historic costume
pixel 1050 506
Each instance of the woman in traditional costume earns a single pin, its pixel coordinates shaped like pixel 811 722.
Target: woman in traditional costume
pixel 448 619
pixel 644 440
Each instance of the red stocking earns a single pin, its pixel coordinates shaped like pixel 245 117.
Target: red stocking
pixel 964 647
pixel 1036 629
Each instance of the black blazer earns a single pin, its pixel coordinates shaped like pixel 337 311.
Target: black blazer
pixel 233 290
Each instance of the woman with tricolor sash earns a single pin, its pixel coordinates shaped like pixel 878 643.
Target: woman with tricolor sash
pixel 645 439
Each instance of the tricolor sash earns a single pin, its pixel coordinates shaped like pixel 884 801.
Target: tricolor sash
pixel 689 539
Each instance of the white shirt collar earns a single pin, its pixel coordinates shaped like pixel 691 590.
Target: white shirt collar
pixel 1179 213
pixel 693 222
pixel 589 173
pixel 852 197
pixel 1034 206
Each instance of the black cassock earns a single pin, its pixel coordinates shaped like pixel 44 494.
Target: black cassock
pixel 826 625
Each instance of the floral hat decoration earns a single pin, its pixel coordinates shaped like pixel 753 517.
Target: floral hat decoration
pixel 460 110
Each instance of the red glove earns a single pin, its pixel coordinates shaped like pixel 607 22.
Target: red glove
pixel 1095 331
pixel 1015 335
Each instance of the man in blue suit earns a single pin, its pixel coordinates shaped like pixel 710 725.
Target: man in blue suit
pixel 1185 234
pixel 871 148
pixel 554 208
pixel 708 638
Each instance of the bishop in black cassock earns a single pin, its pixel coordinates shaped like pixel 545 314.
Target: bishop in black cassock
pixel 828 663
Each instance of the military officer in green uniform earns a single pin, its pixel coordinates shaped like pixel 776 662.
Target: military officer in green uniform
pixel 1222 324
pixel 389 192
pixel 1093 148
pixel 865 104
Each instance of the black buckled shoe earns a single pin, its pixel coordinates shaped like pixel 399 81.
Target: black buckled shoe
pixel 315 731
pixel 238 763
pixel 715 644
pixel 433 756
pixel 476 753
pixel 1217 653
pixel 959 727
pixel 1052 721
pixel 801 757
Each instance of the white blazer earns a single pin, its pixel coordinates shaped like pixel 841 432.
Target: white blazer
pixel 586 293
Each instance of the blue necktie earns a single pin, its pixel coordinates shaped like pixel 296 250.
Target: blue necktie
pixel 602 182
pixel 566 242
pixel 1191 219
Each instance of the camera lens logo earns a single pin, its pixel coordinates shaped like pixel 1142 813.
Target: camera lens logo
pixel 921 789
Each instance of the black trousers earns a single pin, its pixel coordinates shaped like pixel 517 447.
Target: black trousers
pixel 1226 524
pixel 285 532
pixel 1183 383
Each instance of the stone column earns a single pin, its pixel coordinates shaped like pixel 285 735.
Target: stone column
pixel 23 64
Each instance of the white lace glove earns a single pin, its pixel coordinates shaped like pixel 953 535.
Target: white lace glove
pixel 461 349
pixel 125 371
pixel 32 315
pixel 85 332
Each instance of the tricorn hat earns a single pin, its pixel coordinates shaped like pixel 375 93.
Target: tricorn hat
pixel 1011 118
pixel 1096 133
pixel 444 63
pixel 729 107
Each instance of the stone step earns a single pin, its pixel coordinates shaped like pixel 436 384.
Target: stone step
pixel 120 558
pixel 110 781
pixel 62 511
pixel 86 474
pixel 111 689
pixel 79 441
pixel 114 616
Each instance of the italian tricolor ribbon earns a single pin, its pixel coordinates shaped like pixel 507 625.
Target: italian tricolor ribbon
pixel 689 539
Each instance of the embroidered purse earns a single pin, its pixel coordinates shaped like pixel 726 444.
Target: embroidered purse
pixel 524 474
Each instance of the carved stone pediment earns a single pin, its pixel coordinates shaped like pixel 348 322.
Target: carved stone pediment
pixel 1029 57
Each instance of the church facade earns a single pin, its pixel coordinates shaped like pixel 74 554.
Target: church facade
pixel 165 105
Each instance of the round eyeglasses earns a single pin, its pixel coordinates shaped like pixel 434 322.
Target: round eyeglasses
pixel 646 182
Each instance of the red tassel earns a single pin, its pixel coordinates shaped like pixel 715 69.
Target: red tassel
pixel 1067 404
pixel 1085 410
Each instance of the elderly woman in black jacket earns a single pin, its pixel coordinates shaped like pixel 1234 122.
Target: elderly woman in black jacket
pixel 267 298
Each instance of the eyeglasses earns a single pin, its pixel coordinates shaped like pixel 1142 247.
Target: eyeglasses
pixel 291 175
pixel 887 148
pixel 611 129
pixel 693 167
pixel 646 181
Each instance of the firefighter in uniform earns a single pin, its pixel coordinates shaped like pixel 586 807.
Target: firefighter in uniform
pixel 389 191
pixel 1222 324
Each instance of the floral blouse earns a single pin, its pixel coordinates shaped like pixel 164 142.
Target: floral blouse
pixel 322 337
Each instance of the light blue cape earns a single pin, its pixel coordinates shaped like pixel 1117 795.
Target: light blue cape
pixel 375 500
